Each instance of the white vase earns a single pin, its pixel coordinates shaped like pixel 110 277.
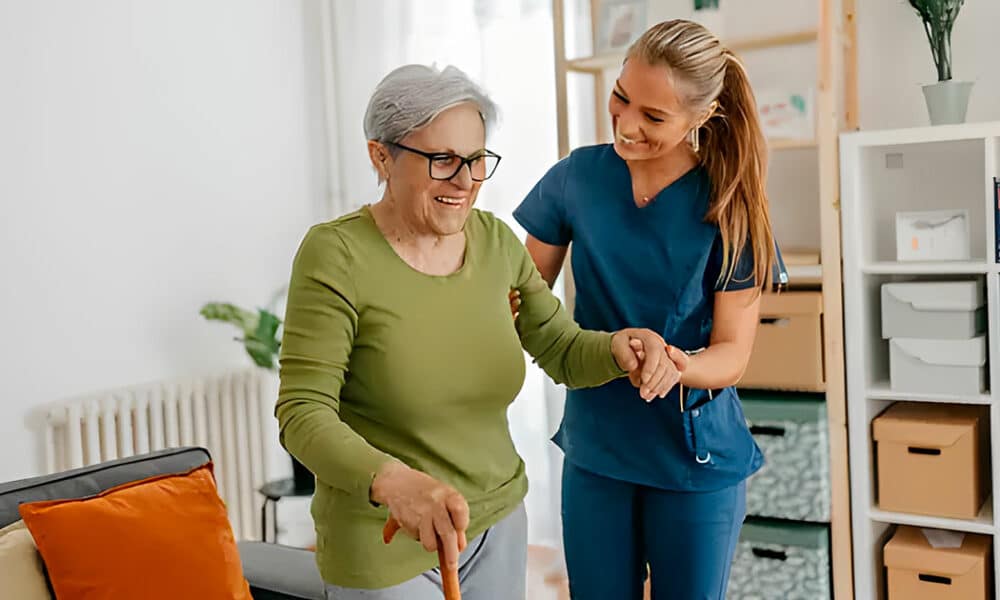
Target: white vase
pixel 947 101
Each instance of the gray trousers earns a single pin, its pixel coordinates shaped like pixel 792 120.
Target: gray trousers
pixel 492 566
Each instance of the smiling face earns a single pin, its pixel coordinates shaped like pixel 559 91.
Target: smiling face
pixel 430 206
pixel 648 115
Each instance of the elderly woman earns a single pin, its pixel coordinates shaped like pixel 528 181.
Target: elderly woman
pixel 400 357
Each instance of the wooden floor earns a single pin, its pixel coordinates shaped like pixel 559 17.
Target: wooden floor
pixel 546 579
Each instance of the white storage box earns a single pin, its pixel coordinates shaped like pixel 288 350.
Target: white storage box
pixel 933 235
pixel 933 309
pixel 953 367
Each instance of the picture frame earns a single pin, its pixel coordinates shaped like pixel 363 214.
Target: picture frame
pixel 787 113
pixel 620 22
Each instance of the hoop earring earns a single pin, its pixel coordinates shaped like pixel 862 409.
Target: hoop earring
pixel 694 140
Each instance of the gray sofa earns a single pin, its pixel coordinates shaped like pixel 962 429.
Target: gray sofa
pixel 274 572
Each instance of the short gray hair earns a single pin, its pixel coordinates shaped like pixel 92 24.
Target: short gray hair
pixel 411 96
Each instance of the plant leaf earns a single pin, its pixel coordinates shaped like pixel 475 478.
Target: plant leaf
pixel 230 313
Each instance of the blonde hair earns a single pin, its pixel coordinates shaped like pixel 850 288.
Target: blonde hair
pixel 731 145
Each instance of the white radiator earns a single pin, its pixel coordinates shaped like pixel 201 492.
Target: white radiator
pixel 227 414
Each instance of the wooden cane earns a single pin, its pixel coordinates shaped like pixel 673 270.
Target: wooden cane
pixel 449 576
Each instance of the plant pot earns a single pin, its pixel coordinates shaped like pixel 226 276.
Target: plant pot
pixel 305 481
pixel 947 101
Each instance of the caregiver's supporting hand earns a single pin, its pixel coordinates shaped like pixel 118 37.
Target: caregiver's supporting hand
pixel 425 509
pixel 655 374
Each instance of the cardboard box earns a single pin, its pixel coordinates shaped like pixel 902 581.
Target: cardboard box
pixel 933 459
pixel 919 571
pixel 788 350
pixel 933 309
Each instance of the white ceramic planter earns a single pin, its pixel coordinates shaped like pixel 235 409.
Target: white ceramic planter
pixel 947 101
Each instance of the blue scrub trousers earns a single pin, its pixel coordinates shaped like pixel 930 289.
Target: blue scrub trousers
pixel 612 528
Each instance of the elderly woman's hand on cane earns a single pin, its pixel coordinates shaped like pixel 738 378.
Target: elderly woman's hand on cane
pixel 435 514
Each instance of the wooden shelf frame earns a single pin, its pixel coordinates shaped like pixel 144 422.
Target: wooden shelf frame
pixel 602 62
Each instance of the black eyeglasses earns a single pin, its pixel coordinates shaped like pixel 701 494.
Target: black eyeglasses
pixel 445 165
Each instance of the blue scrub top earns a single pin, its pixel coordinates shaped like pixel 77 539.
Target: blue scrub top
pixel 655 267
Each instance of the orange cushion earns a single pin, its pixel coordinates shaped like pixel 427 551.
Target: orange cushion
pixel 165 537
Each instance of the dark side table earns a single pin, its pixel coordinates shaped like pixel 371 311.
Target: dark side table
pixel 274 491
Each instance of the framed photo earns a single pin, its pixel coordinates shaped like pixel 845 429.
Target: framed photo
pixel 787 113
pixel 620 22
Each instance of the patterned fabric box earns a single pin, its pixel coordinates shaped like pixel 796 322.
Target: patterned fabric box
pixel 791 429
pixel 781 561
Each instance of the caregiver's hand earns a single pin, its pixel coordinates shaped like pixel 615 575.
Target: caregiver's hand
pixel 424 508
pixel 514 297
pixel 654 374
pixel 675 354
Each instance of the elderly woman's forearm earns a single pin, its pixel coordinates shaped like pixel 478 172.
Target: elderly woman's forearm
pixel 576 358
pixel 314 434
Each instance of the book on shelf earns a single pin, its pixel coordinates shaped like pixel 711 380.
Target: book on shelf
pixel 996 216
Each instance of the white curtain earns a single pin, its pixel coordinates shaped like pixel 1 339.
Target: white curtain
pixel 507 47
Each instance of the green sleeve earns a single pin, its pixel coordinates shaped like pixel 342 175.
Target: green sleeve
pixel 568 354
pixel 321 322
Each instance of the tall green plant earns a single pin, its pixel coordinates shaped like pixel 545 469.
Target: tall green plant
pixel 704 4
pixel 939 17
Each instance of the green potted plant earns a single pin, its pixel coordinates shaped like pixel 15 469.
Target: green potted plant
pixel 947 100
pixel 261 338
pixel 259 329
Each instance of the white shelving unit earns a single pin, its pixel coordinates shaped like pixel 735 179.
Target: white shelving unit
pixel 933 167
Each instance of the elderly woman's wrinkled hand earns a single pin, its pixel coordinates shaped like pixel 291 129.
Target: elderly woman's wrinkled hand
pixel 425 508
pixel 644 354
pixel 675 354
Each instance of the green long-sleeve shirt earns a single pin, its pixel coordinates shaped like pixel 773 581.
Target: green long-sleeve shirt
pixel 382 362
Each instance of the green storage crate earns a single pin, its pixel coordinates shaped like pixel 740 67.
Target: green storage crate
pixel 781 561
pixel 791 430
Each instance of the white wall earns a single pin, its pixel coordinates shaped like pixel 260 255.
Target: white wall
pixel 897 61
pixel 154 156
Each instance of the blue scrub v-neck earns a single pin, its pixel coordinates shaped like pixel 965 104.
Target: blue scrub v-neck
pixel 655 267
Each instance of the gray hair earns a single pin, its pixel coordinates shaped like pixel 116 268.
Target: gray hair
pixel 411 96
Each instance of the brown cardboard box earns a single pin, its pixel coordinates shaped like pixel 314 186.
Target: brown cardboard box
pixel 919 571
pixel 933 459
pixel 788 350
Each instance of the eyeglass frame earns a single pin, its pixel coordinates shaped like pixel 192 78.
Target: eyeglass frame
pixel 465 160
